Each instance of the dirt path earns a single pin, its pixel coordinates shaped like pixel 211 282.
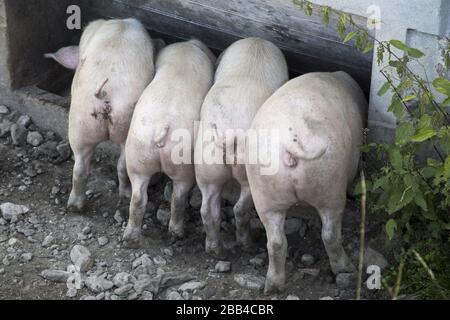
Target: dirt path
pixel 42 239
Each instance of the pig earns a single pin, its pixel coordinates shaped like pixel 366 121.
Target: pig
pixel 114 64
pixel 248 73
pixel 169 105
pixel 319 118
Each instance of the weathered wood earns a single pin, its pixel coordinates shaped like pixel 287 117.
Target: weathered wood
pixel 306 42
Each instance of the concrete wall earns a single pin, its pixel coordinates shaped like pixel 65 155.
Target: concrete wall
pixel 4 72
pixel 418 23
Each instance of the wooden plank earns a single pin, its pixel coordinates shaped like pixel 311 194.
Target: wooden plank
pixel 308 45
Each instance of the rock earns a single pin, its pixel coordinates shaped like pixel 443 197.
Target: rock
pixel 309 271
pixel 249 281
pixel 50 135
pixel 223 266
pixel 374 258
pixel 146 283
pixel 71 293
pixel 26 257
pixel 146 295
pixel 292 226
pixel 196 198
pixel 35 138
pixel 168 252
pixel 163 216
pixel 307 260
pixel 55 190
pixel 346 280
pixel 48 241
pixel 160 261
pixel 257 261
pixel 3 238
pixel 81 257
pixel 5 128
pixel 132 296
pixel 64 151
pixel 168 190
pixel 122 279
pixel 86 230
pixel 13 242
pixel 18 135
pixel 98 284
pixel 102 241
pixel 4 109
pixel 170 279
pixel 145 262
pixel 24 121
pixel 292 297
pixel 118 217
pixel 192 286
pixel 48 150
pixel 11 212
pixel 173 295
pixel 57 276
pixel 326 298
pixel 122 291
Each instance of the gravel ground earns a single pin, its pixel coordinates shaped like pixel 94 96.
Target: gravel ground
pixel 41 242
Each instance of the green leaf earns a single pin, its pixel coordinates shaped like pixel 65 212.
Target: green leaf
pixel 380 183
pixel 404 132
pixel 350 36
pixel 384 89
pixel 368 48
pixel 423 135
pixel 428 172
pixel 397 107
pixel 442 85
pixel 415 53
pixel 447 168
pixel 399 45
pixel 409 98
pixel 395 157
pixel 446 102
pixel 419 199
pixel 391 226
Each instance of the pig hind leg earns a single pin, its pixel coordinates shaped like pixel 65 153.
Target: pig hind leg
pixel 82 154
pixel 210 212
pixel 242 216
pixel 138 204
pixel 332 239
pixel 179 199
pixel 273 222
pixel 124 181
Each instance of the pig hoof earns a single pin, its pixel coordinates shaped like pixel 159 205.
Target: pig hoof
pixel 76 203
pixel 131 239
pixel 176 231
pixel 215 250
pixel 273 286
pixel 131 243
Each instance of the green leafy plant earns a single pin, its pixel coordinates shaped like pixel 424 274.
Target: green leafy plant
pixel 411 190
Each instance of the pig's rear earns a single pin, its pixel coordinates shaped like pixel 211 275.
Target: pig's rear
pixel 116 64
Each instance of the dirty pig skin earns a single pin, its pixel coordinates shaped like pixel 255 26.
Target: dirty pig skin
pixel 186 310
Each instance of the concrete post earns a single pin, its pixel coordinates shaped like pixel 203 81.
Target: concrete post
pixel 418 23
pixel 4 72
